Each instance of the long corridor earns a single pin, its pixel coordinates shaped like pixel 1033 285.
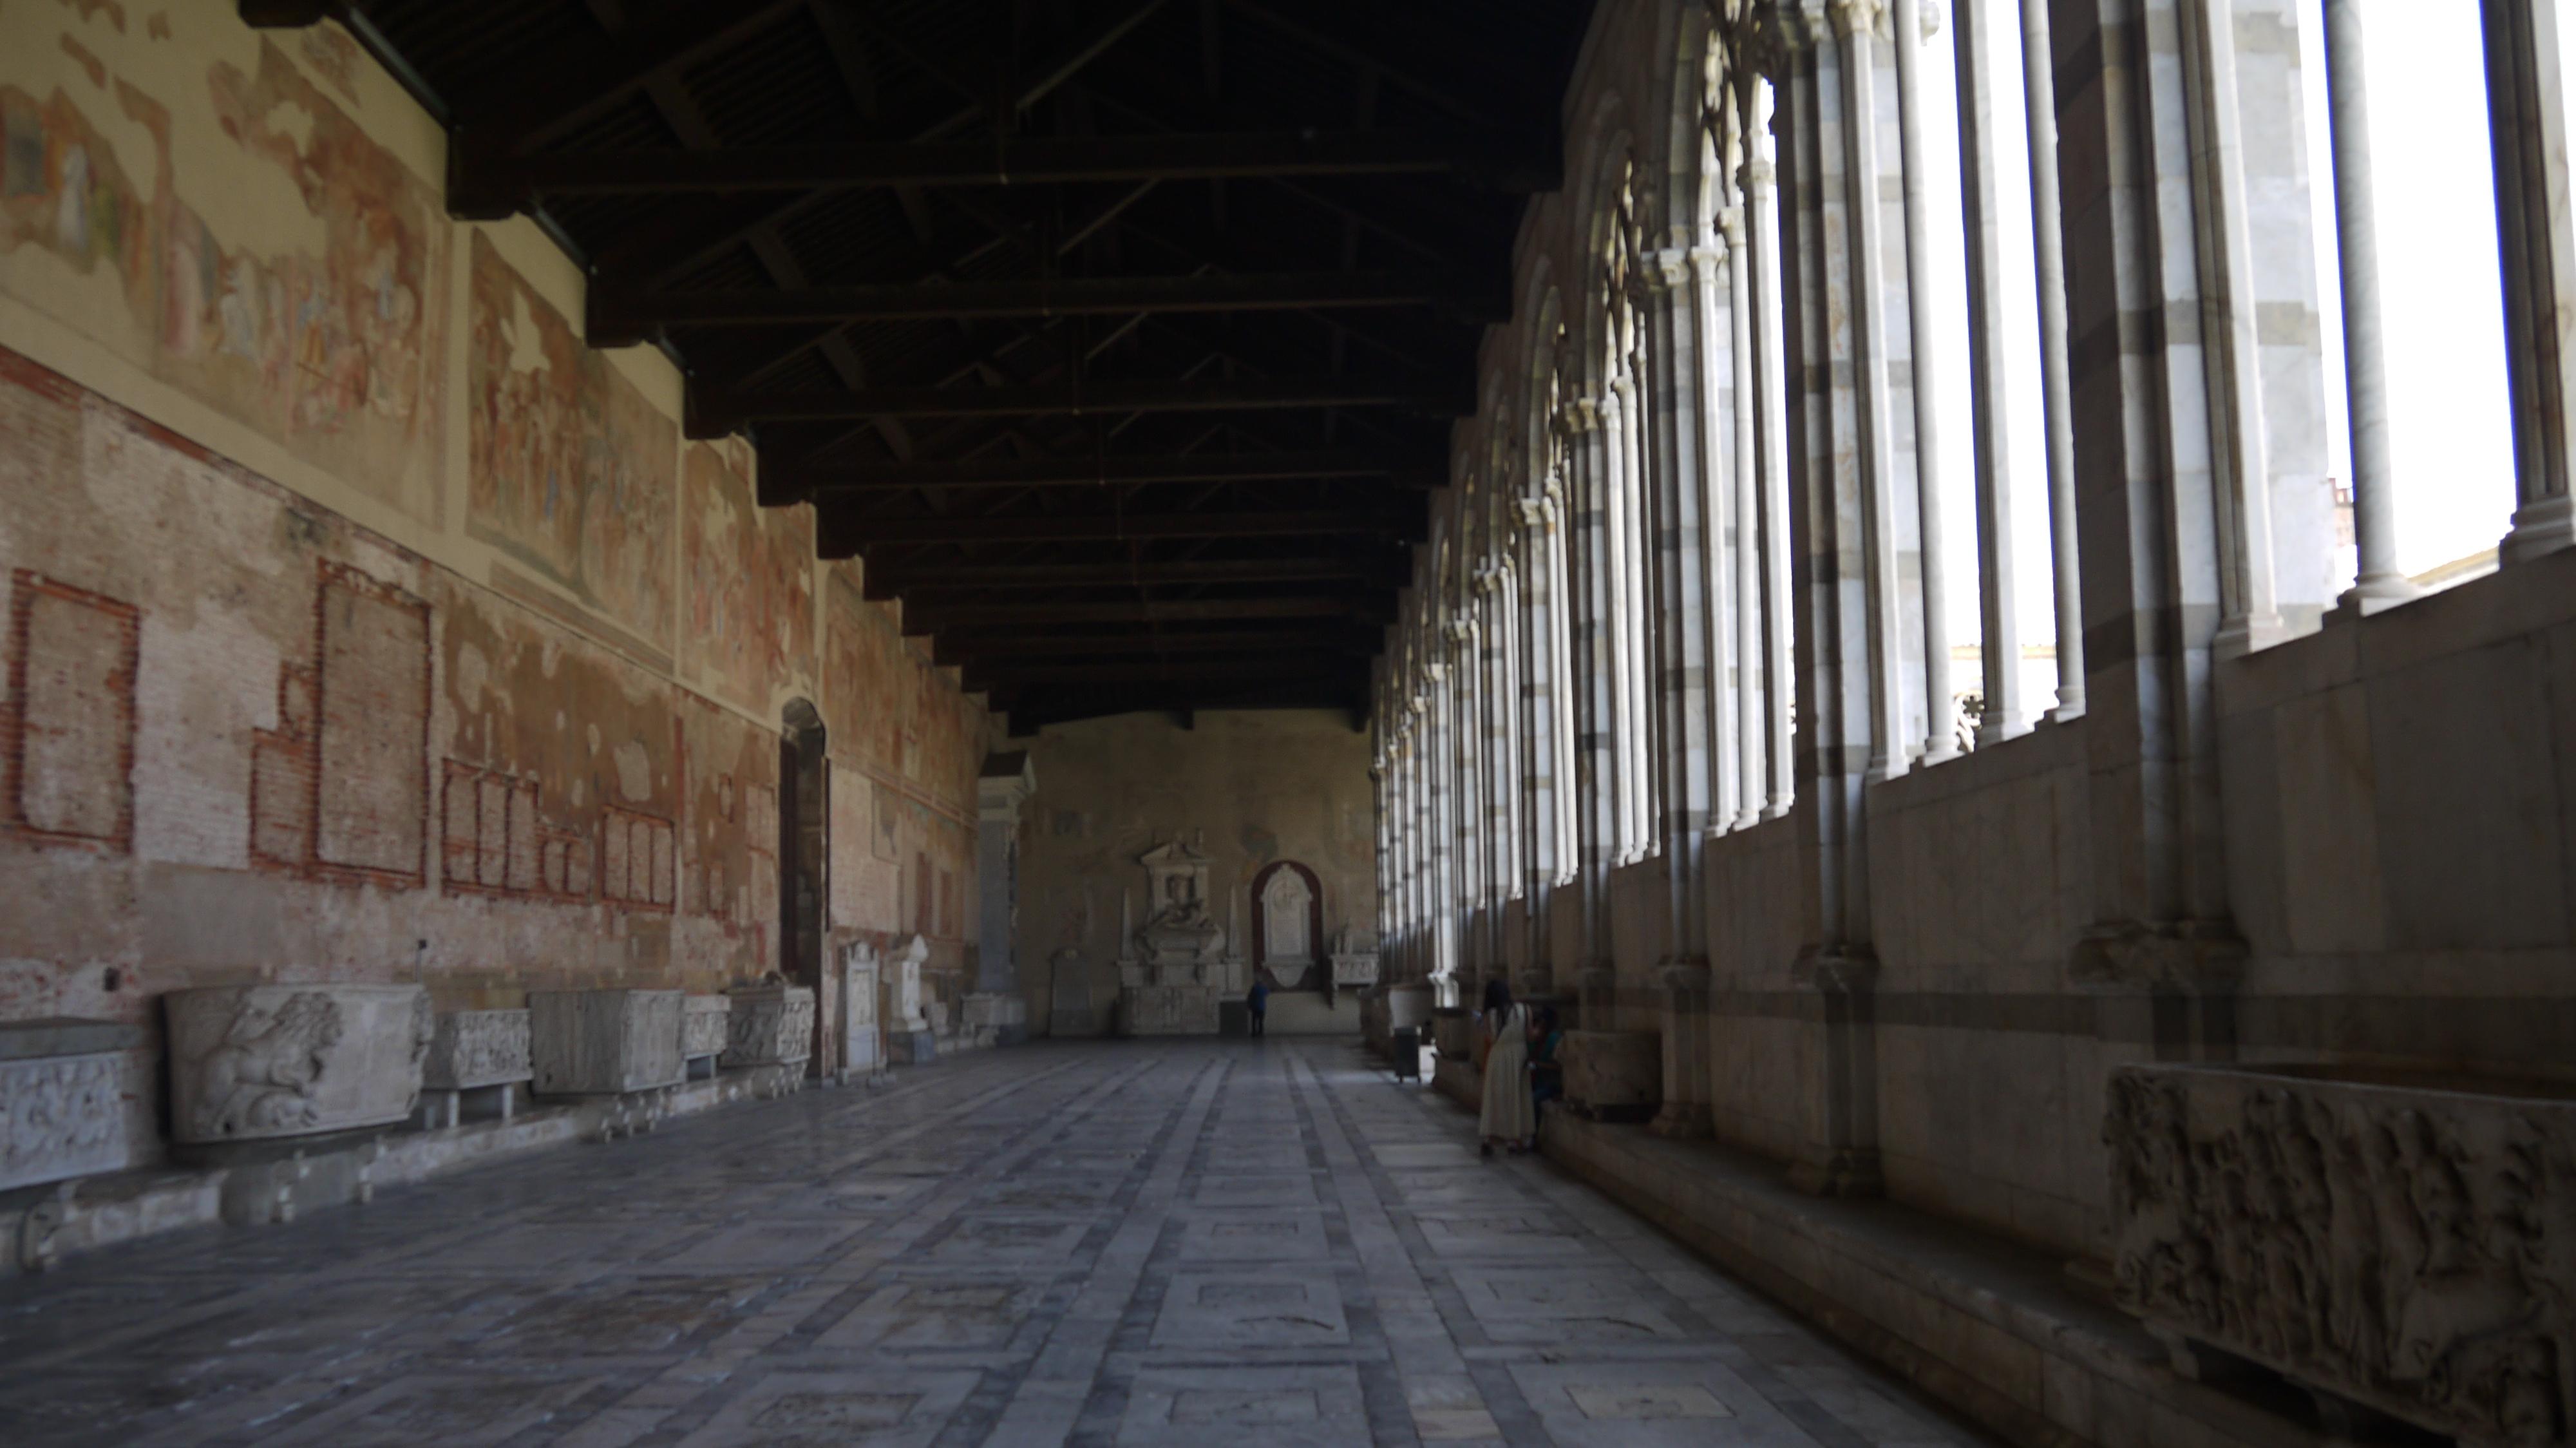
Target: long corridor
pixel 1237 1244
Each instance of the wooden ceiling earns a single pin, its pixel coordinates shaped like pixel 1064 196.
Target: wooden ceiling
pixel 1121 337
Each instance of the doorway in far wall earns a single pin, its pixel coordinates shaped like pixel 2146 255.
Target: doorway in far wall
pixel 804 806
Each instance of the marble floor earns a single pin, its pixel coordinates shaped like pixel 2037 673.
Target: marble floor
pixel 1236 1243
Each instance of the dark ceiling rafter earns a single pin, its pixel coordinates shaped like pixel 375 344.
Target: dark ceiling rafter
pixel 977 579
pixel 689 234
pixel 843 532
pixel 1379 606
pixel 1504 161
pixel 1122 339
pixel 716 414
pixel 1350 639
pixel 640 314
pixel 788 482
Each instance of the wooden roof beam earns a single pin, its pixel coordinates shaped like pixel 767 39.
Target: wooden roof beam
pixel 958 646
pixel 718 413
pixel 795 482
pixel 1506 161
pixel 983 579
pixel 1356 607
pixel 842 535
pixel 619 319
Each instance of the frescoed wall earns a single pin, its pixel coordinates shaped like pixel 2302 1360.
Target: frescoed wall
pixel 749 578
pixel 571 467
pixel 229 229
pixel 909 746
pixel 306 674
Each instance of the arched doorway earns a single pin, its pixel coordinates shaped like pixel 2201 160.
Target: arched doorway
pixel 804 807
pixel 1288 925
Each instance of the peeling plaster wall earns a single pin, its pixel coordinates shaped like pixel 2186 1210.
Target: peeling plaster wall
pixel 361 622
pixel 1246 788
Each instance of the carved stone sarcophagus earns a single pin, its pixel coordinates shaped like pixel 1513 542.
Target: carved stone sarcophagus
pixel 62 1099
pixel 2404 1243
pixel 259 1061
pixel 771 1025
pixel 470 1050
pixel 1616 1075
pixel 703 1023
pixel 601 1042
pixel 1167 1010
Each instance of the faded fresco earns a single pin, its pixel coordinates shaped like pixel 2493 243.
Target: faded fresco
pixel 750 582
pixel 573 468
pixel 901 724
pixel 860 652
pixel 294 279
pixel 733 823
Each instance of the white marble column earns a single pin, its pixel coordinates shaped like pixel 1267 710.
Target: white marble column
pixel 1593 792
pixel 1744 404
pixel 1621 496
pixel 1854 22
pixel 1542 794
pixel 1990 401
pixel 1641 608
pixel 2240 465
pixel 1708 265
pixel 1681 620
pixel 2048 251
pixel 2532 130
pixel 1760 182
pixel 1940 706
pixel 2365 342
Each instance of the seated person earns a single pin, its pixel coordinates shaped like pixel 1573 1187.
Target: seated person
pixel 1547 1074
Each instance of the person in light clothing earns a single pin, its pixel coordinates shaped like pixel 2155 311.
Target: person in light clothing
pixel 1508 1116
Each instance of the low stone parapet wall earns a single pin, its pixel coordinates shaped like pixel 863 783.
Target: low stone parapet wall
pixel 1990 1328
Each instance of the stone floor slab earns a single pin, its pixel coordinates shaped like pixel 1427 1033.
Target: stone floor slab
pixel 1222 1243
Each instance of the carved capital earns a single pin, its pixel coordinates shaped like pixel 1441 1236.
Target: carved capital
pixel 1534 513
pixel 1671 267
pixel 1579 415
pixel 1796 26
pixel 1730 224
pixel 1855 17
pixel 1756 175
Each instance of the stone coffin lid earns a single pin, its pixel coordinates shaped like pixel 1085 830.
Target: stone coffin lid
pixel 249 1063
pixel 65 1036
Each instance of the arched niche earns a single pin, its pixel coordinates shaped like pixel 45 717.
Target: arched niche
pixel 1287 923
